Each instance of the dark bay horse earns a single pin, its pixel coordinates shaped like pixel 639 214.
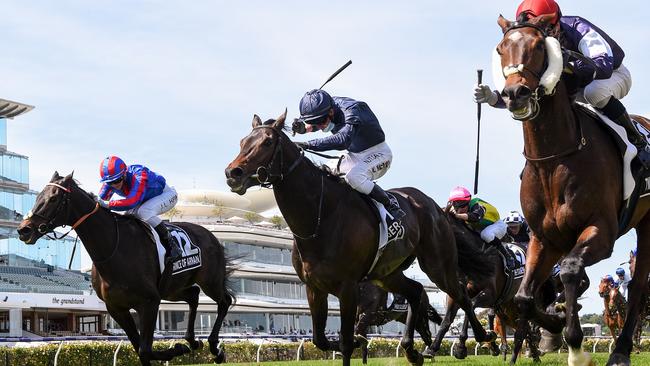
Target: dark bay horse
pixel 373 311
pixel 126 273
pixel 571 190
pixel 614 312
pixel 488 289
pixel 336 236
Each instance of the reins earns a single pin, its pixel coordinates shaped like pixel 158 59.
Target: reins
pixel 267 183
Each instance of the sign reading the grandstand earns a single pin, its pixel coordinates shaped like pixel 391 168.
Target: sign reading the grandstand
pixel 191 252
pixel 68 301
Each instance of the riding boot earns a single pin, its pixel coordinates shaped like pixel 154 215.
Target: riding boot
pixel 617 113
pixel 389 202
pixel 171 248
pixel 510 262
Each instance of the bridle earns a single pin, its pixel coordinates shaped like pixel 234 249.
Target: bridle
pixel 64 204
pixel 267 169
pixel 540 92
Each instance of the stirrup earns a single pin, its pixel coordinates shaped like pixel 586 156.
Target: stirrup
pixel 397 213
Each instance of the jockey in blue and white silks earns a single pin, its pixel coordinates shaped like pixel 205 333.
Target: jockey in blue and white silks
pixel 146 195
pixel 354 128
pixel 601 74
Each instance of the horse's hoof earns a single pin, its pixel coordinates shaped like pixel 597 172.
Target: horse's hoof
pixel 419 360
pixel 460 353
pixel 618 359
pixel 195 344
pixel 220 357
pixel 428 353
pixel 494 350
pixel 580 358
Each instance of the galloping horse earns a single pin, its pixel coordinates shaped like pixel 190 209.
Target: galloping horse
pixel 372 311
pixel 487 290
pixel 614 312
pixel 336 236
pixel 126 273
pixel 572 187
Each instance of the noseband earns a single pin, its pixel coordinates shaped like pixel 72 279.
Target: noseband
pixel 266 170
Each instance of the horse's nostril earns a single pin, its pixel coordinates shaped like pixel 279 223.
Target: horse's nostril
pixel 236 172
pixel 25 230
pixel 524 92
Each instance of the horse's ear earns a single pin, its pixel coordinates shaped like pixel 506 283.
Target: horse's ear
pixel 257 121
pixel 69 176
pixel 543 20
pixel 55 176
pixel 279 122
pixel 503 23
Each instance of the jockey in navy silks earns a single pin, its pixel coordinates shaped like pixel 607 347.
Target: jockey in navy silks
pixel 601 75
pixel 145 195
pixel 356 129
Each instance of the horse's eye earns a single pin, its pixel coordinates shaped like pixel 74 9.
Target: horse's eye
pixel 268 142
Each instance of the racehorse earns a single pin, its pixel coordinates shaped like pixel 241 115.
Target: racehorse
pixel 571 189
pixel 644 315
pixel 533 336
pixel 488 290
pixel 126 273
pixel 336 236
pixel 373 311
pixel 614 312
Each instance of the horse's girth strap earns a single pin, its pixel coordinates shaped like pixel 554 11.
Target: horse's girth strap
pixel 84 217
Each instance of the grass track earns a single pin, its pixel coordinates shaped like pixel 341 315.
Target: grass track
pixel 550 359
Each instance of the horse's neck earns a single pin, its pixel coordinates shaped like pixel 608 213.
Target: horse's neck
pixel 298 197
pixel 554 130
pixel 97 232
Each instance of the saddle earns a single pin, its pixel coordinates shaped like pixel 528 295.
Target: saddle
pixel 636 180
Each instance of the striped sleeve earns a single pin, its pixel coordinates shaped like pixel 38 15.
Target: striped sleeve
pixel 105 192
pixel 136 194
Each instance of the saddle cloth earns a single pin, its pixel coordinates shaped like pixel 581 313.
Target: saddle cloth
pixel 520 256
pixel 191 257
pixel 389 230
pixel 627 149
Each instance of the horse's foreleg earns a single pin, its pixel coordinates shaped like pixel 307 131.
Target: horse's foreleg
pixel 148 313
pixel 317 300
pixel 636 294
pixel 520 335
pixel 450 314
pixel 539 263
pixel 364 320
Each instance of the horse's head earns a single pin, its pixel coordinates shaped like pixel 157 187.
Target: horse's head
pixel 528 64
pixel 605 286
pixel 261 158
pixel 51 209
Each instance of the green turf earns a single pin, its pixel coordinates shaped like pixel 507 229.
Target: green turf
pixel 550 359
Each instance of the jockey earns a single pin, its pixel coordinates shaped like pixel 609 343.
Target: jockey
pixel 356 129
pixel 601 75
pixel 481 217
pixel 146 195
pixel 622 280
pixel 517 228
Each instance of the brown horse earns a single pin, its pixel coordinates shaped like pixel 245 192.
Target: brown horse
pixel 571 190
pixel 614 312
pixel 373 311
pixel 336 236
pixel 126 273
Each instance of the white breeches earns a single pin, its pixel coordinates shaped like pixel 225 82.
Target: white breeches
pixel 363 168
pixel 495 231
pixel 598 92
pixel 150 209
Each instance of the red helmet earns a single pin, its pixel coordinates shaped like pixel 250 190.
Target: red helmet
pixel 535 8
